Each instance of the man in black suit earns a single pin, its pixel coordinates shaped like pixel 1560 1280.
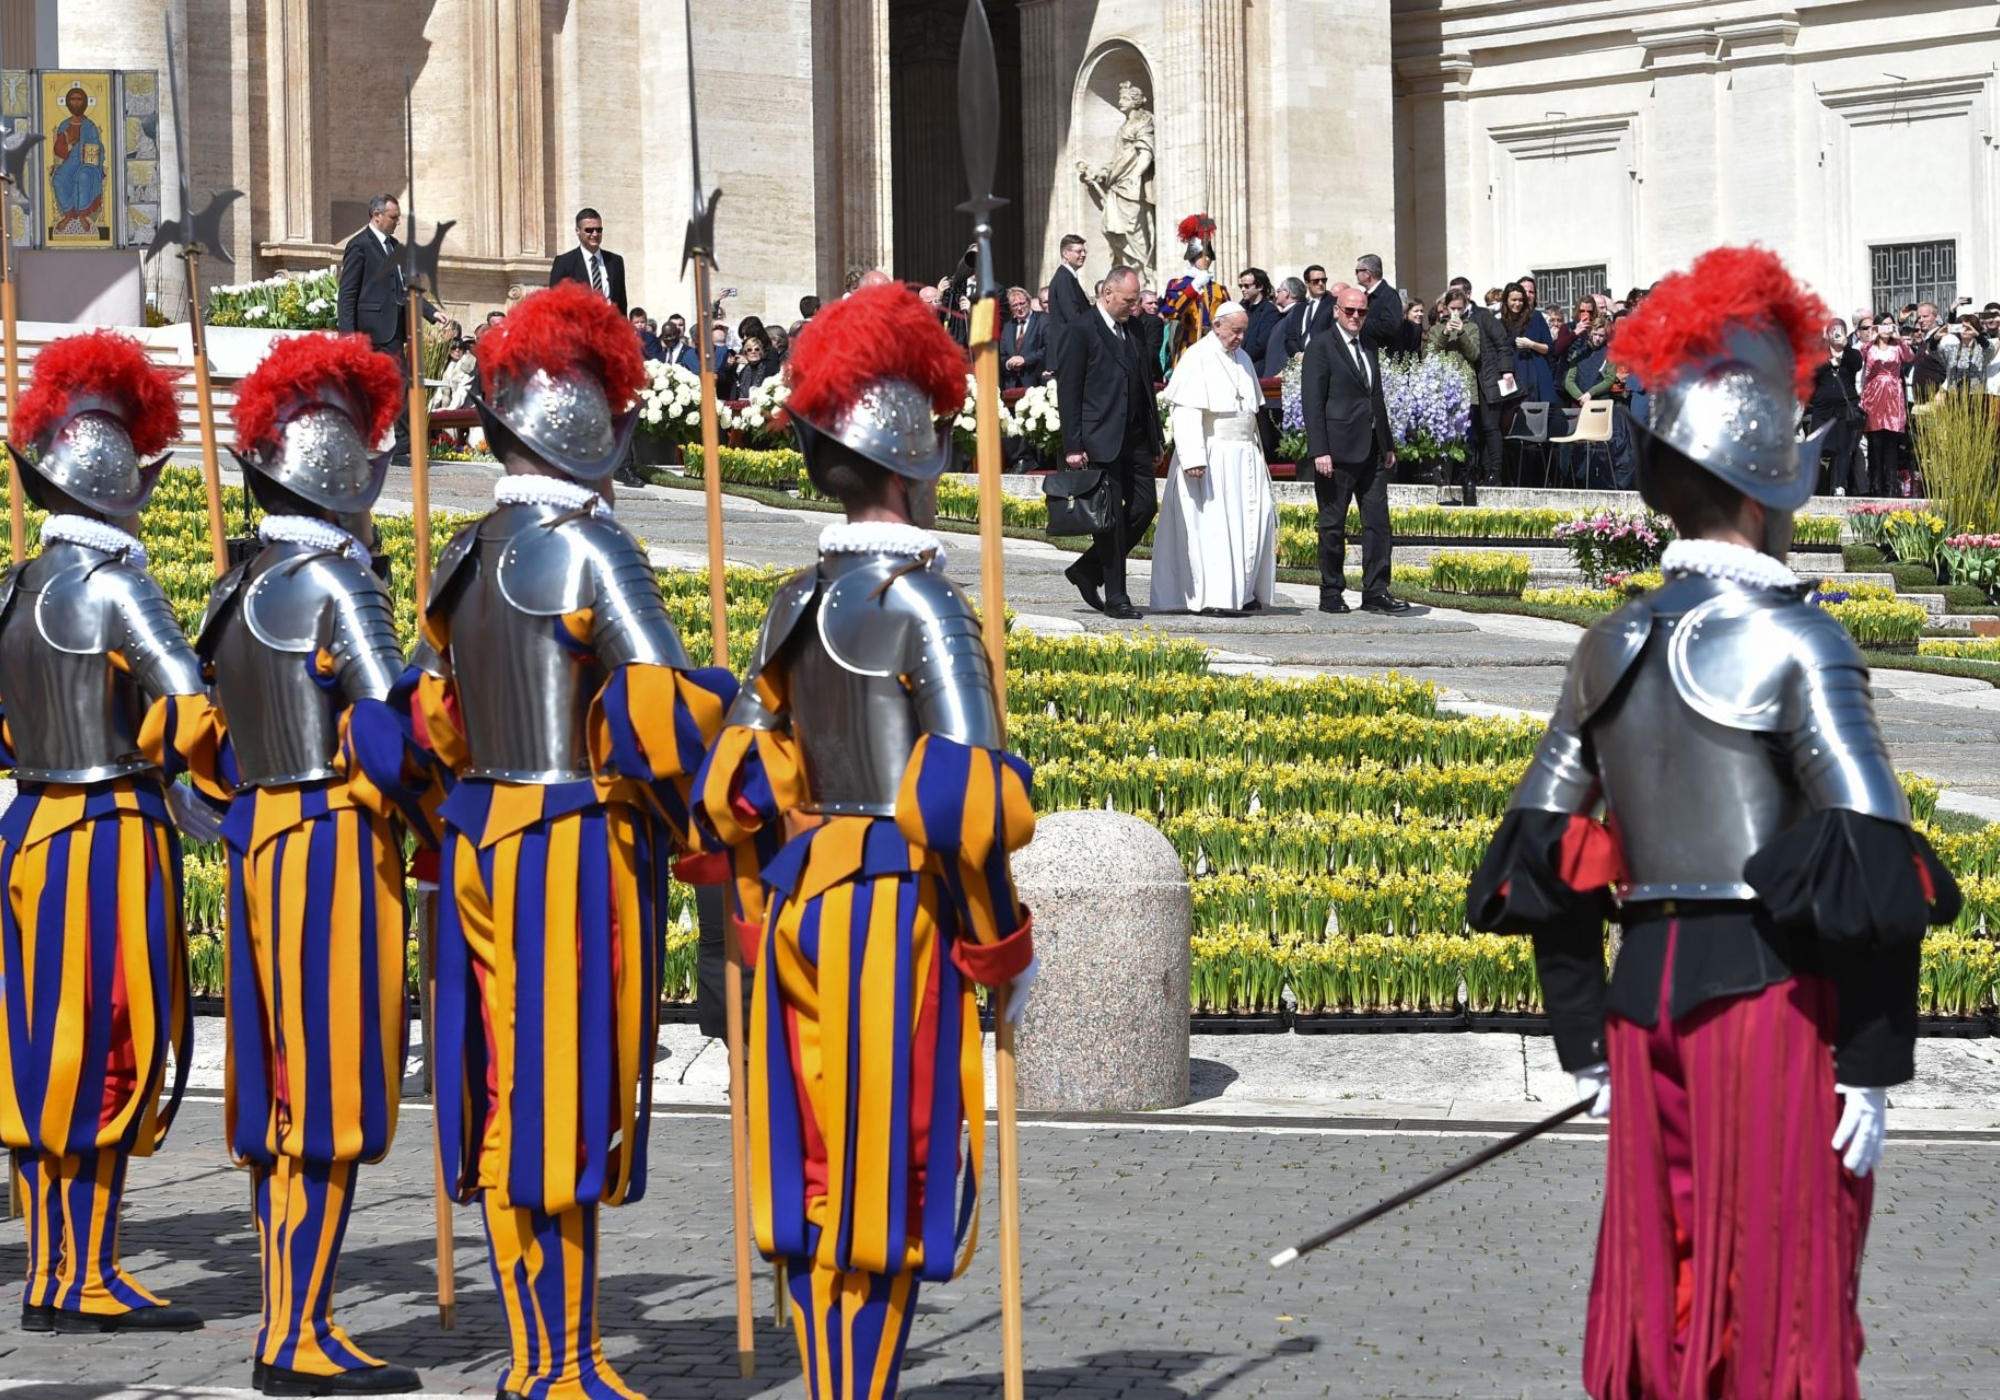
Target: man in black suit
pixel 373 305
pixel 1316 317
pixel 1023 342
pixel 1069 300
pixel 588 263
pixel 1385 303
pixel 1110 422
pixel 1347 435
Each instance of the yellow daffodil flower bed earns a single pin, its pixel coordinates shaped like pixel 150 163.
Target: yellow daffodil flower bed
pixel 1328 825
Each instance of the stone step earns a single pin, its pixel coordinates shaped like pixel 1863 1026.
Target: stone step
pixel 1958 622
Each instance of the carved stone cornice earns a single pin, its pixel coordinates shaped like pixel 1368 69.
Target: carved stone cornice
pixel 1444 76
pixel 1680 48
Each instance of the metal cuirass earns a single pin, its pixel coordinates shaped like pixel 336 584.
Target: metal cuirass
pixel 267 625
pixel 524 680
pixel 73 713
pixel 881 651
pixel 1742 712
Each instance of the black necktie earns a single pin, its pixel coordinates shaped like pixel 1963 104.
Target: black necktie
pixel 596 275
pixel 1360 362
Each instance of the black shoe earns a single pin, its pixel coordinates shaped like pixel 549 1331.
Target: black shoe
pixel 37 1317
pixel 369 1380
pixel 1122 612
pixel 1337 606
pixel 1388 604
pixel 1092 589
pixel 1254 605
pixel 167 1317
pixel 1221 612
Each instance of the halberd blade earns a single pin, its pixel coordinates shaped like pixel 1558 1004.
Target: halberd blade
pixel 15 149
pixel 978 112
pixel 202 232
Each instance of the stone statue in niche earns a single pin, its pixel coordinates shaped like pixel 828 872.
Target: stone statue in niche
pixel 1124 186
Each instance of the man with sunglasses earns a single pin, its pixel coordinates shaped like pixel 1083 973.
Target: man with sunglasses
pixel 1352 454
pixel 588 263
pixel 1315 316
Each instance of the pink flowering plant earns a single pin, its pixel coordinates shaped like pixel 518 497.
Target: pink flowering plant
pixel 1868 521
pixel 1608 543
pixel 1974 560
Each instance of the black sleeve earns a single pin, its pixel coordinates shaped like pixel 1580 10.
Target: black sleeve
pixel 1518 889
pixel 352 264
pixel 1378 327
pixel 1072 356
pixel 555 270
pixel 1313 386
pixel 1876 1043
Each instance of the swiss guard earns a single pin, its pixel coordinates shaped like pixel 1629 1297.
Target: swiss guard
pixel 1772 892
pixel 105 704
pixel 301 641
pixel 563 697
pixel 867 725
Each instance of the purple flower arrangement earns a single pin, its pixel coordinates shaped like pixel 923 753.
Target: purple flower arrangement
pixel 1430 406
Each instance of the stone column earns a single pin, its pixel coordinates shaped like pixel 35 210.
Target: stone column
pixel 1225 172
pixel 857 211
pixel 1045 101
pixel 1688 203
pixel 927 157
pixel 1762 175
pixel 295 88
pixel 1438 221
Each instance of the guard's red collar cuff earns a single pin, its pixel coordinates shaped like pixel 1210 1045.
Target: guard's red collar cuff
pixel 996 964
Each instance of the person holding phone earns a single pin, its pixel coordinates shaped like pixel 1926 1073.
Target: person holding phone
pixel 1882 401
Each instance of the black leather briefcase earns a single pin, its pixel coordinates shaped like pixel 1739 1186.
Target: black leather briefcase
pixel 1079 501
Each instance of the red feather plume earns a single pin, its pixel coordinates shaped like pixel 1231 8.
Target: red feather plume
pixel 1196 226
pixel 875 333
pixel 297 366
pixel 566 329
pixel 105 365
pixel 1689 315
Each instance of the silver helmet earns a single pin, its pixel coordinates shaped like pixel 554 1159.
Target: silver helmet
pixel 1735 415
pixel 568 422
pixel 319 453
pixel 88 455
pixel 890 423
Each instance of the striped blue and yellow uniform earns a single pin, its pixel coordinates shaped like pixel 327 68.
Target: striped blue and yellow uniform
pixel 867 1095
pixel 93 996
pixel 550 927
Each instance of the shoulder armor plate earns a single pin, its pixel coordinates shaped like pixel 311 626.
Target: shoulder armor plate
pixel 219 598
pixel 868 614
pixel 546 572
pixel 1734 657
pixel 290 606
pixel 1606 653
pixel 70 611
pixel 788 605
pixel 455 554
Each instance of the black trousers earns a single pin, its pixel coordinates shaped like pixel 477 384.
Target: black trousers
pixel 1885 459
pixel 1839 461
pixel 1369 483
pixel 1135 500
pixel 1493 419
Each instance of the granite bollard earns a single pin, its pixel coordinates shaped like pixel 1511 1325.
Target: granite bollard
pixel 1107 1026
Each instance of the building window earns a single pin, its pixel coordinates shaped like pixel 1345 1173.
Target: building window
pixel 1563 287
pixel 1901 273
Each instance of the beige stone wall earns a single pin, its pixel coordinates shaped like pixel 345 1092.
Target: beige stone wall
pixel 1555 133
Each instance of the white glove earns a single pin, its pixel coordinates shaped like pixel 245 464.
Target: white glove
pixel 1018 989
pixel 196 819
pixel 1595 1083
pixel 1864 1118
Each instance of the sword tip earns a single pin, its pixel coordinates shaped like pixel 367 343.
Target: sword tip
pixel 1283 1257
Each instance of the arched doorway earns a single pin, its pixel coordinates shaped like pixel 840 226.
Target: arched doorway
pixel 928 163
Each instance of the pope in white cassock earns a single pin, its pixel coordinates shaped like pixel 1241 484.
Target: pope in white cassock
pixel 1216 549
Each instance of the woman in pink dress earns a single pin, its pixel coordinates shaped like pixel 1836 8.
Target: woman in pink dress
pixel 1882 400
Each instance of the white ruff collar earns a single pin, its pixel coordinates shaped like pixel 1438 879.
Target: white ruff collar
pixel 880 537
pixel 1733 563
pixel 94 534
pixel 313 534
pixel 548 491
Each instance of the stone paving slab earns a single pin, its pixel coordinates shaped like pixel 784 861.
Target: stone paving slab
pixel 1144 1273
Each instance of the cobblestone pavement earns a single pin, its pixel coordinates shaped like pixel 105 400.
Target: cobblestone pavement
pixel 1145 1273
